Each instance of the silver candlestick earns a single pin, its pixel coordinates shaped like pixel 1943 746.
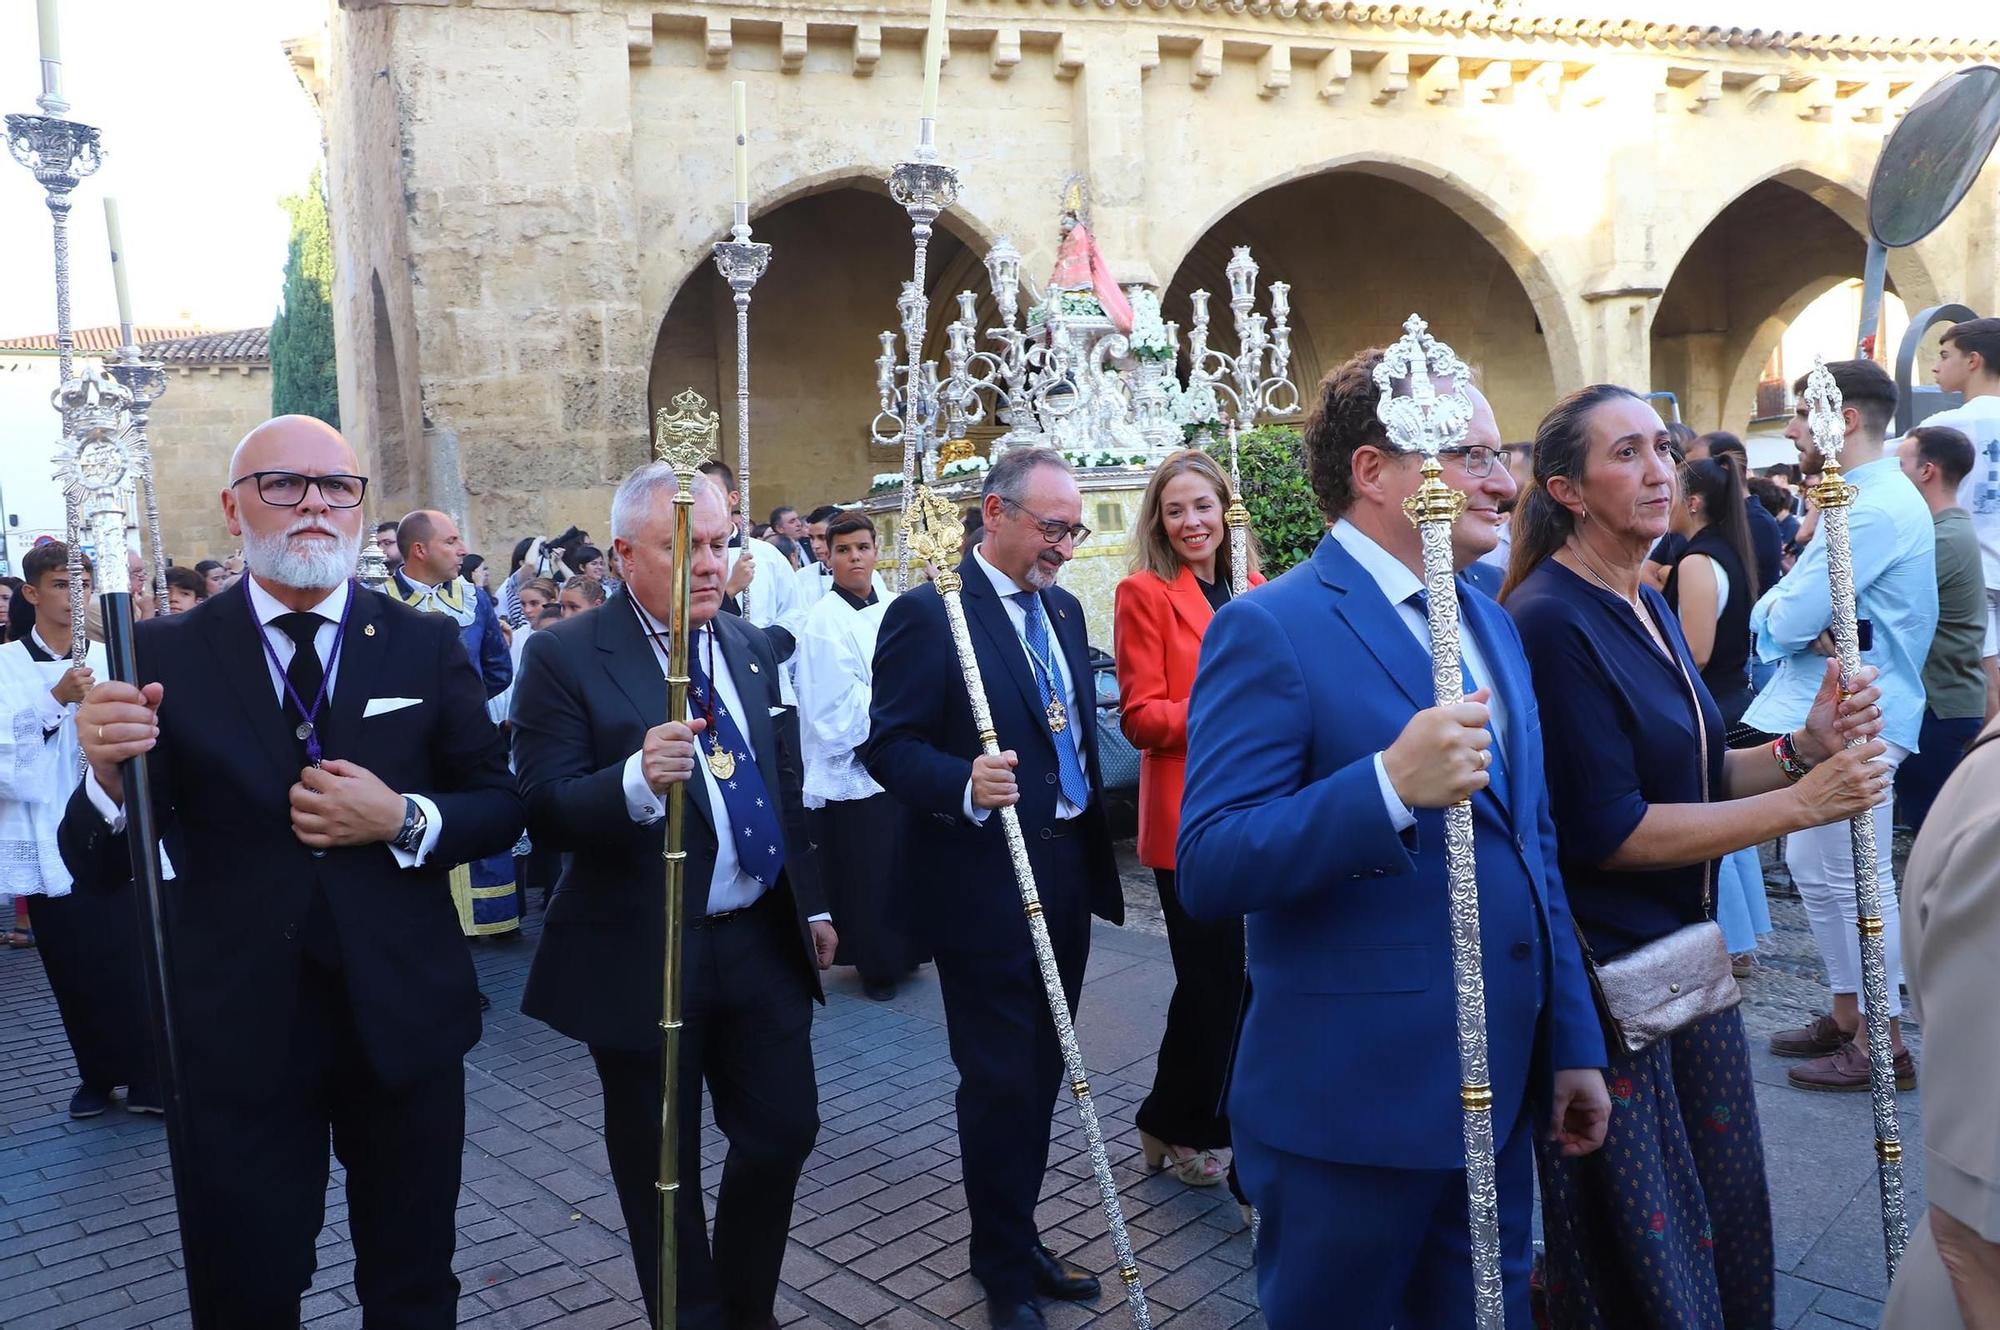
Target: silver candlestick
pixel 1834 495
pixel 741 261
pixel 61 153
pixel 1238 384
pixel 925 187
pixel 146 381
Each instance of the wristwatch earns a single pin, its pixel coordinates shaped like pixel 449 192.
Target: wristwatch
pixel 414 825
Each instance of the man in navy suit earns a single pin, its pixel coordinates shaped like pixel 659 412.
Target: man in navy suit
pixel 1317 769
pixel 924 749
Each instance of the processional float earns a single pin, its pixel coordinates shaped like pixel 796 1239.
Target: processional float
pixel 1419 419
pixel 683 438
pixel 1834 496
pixel 934 537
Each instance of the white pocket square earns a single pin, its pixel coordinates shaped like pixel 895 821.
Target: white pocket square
pixel 378 706
pixel 778 711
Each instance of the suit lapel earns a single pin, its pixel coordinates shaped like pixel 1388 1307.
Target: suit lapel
pixel 629 660
pixel 240 660
pixel 1184 594
pixel 363 647
pixel 988 615
pixel 1374 620
pixel 1478 613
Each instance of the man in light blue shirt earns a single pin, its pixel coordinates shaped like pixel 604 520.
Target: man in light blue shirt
pixel 1895 591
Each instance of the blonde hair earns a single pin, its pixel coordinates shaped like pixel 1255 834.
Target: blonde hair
pixel 1152 552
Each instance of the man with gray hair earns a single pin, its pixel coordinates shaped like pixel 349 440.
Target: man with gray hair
pixel 924 749
pixel 596 761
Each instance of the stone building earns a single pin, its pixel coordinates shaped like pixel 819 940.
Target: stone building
pixel 524 193
pixel 218 390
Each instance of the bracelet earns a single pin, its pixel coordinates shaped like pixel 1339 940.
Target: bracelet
pixel 1788 757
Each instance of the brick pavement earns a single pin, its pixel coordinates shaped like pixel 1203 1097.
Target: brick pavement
pixel 87 1233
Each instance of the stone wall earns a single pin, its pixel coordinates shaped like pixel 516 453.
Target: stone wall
pixel 194 428
pixel 522 189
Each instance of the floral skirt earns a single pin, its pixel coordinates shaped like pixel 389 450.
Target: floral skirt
pixel 1668 1227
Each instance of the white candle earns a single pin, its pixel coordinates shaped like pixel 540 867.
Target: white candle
pixel 742 143
pixel 112 230
pixel 933 59
pixel 51 30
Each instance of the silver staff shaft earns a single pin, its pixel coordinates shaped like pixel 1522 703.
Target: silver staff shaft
pixel 1438 506
pixel 1834 494
pixel 1038 932
pixel 1237 518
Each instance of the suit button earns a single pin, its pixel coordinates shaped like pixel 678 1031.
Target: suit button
pixel 1047 834
pixel 291 931
pixel 1049 779
pixel 1522 951
pixel 1521 843
pixel 318 854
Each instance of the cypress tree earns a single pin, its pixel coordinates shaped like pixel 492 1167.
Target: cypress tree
pixel 302 366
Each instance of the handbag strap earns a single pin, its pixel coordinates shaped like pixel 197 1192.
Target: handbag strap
pixel 1701 737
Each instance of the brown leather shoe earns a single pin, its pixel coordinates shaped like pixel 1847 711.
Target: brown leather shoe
pixel 1847 1070
pixel 1818 1040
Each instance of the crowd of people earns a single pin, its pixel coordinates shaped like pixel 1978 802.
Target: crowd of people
pixel 1650 695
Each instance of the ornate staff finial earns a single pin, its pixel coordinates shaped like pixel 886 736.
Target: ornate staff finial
pixel 97 463
pixel 1829 432
pixel 1421 419
pixel 684 437
pixel 935 532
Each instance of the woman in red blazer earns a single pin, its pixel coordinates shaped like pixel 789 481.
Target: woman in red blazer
pixel 1181 577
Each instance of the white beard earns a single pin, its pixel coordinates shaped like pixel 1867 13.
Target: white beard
pixel 1042 575
pixel 308 568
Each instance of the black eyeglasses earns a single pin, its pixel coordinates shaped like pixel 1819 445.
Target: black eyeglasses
pixel 1477 459
pixel 1052 531
pixel 287 489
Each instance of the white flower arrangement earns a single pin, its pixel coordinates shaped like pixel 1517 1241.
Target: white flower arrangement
pixel 964 466
pixel 1102 457
pixel 1149 332
pixel 885 480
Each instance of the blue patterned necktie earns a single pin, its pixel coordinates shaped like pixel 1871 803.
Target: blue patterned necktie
pixel 753 820
pixel 1497 773
pixel 1069 768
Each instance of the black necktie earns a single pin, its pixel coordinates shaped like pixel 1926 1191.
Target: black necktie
pixel 305 673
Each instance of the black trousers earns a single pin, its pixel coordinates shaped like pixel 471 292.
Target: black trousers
pixel 89 944
pixel 862 839
pixel 1010 1071
pixel 261 1164
pixel 746 1032
pixel 1185 1107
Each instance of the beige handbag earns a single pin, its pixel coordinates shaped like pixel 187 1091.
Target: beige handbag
pixel 1668 984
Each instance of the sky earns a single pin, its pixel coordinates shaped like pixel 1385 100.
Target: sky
pixel 204 130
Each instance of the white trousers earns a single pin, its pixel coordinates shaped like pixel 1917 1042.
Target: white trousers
pixel 1821 860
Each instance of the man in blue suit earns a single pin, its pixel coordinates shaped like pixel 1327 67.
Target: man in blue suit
pixel 1318 767
pixel 924 749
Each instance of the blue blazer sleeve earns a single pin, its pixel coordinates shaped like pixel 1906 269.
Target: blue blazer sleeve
pixel 496 662
pixel 911 708
pixel 1258 830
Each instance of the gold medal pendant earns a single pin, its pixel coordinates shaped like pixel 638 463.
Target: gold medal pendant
pixel 721 761
pixel 1058 716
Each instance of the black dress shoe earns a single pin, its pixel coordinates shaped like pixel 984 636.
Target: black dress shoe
pixel 1065 1283
pixel 143 1099
pixel 1020 1316
pixel 879 990
pixel 88 1102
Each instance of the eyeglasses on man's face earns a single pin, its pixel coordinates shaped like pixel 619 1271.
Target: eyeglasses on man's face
pixel 1477 459
pixel 1052 530
pixel 287 489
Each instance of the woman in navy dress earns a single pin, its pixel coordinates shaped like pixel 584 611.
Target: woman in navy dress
pixel 1668 1227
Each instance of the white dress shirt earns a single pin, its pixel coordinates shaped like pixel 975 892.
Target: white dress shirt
pixel 1006 588
pixel 773 601
pixel 836 665
pixel 1398 584
pixel 268 609
pixel 729 887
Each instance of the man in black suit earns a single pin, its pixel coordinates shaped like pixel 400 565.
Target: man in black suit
pixel 319 978
pixel 924 749
pixel 595 764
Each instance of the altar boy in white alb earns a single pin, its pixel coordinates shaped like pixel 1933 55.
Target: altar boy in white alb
pixel 88 942
pixel 859 830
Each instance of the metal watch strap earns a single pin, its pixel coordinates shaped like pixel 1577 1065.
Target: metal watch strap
pixel 412 833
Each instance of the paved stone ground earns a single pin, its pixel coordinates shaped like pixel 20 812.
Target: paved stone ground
pixel 87 1232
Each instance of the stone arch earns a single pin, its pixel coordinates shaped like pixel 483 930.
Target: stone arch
pixel 1527 262
pixel 840 252
pixel 1749 270
pixel 388 437
pixel 1380 239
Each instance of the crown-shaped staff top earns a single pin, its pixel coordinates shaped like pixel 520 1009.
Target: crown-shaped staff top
pixel 935 528
pixel 1422 419
pixel 684 437
pixel 1823 410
